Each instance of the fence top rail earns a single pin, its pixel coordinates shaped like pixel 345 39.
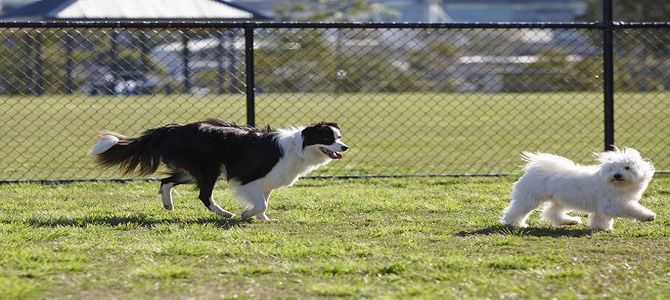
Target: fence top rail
pixel 311 25
pixel 326 25
pixel 619 24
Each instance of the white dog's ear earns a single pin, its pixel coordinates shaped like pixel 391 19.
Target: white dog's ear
pixel 650 164
pixel 605 157
pixel 617 153
pixel 630 152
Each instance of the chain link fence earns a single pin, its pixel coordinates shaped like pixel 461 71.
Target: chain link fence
pixel 411 100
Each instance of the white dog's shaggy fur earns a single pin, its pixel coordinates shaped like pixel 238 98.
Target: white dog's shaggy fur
pixel 609 190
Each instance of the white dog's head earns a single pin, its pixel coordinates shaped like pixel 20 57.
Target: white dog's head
pixel 625 167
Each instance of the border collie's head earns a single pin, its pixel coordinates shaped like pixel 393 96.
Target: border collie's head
pixel 324 138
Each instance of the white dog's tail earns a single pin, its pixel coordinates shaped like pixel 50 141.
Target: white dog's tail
pixel 545 161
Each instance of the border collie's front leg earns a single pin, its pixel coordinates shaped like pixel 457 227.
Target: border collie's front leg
pixel 206 186
pixel 263 216
pixel 256 199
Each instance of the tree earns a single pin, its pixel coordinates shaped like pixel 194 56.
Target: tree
pixel 653 41
pixel 629 11
pixel 640 54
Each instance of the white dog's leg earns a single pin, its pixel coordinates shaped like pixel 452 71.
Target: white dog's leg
pixel 517 212
pixel 557 214
pixel 252 194
pixel 636 211
pixel 601 222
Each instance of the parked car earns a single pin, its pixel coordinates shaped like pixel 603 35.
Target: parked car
pixel 127 83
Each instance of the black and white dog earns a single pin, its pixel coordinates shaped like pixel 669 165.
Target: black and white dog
pixel 254 161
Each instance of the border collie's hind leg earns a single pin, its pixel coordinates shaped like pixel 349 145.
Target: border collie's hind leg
pixel 178 177
pixel 206 185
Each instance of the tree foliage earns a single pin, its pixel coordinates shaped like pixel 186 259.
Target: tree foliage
pixel 629 11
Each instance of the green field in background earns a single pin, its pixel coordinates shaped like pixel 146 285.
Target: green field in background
pixel 395 133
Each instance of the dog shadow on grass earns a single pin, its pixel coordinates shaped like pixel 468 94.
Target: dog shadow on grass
pixel 133 221
pixel 530 231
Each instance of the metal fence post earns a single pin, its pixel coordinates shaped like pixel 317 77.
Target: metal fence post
pixel 608 74
pixel 232 62
pixel 39 64
pixel 220 68
pixel 27 65
pixel 250 80
pixel 145 51
pixel 186 61
pixel 69 62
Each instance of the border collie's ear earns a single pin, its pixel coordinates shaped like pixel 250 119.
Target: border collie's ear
pixel 333 125
pixel 308 129
pixel 324 123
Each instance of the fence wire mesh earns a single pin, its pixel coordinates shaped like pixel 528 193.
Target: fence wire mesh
pixel 411 101
pixel 642 81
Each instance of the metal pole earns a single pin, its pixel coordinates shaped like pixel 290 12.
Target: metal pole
pixel 250 80
pixel 146 50
pixel 220 70
pixel 27 83
pixel 232 62
pixel 69 62
pixel 39 65
pixel 185 55
pixel 608 74
pixel 113 48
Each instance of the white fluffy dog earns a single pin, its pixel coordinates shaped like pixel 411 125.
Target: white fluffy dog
pixel 609 190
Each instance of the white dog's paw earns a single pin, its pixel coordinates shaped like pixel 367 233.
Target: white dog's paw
pixel 571 221
pixel 648 218
pixel 514 224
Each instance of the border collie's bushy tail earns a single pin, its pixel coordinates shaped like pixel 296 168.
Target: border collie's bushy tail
pixel 134 155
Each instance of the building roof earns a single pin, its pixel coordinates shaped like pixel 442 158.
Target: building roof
pixel 133 10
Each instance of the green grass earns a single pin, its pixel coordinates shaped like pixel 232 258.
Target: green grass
pixel 47 137
pixel 379 238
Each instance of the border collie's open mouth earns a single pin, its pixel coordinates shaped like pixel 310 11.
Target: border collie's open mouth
pixel 331 154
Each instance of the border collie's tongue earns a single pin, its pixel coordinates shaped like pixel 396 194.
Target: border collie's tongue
pixel 331 154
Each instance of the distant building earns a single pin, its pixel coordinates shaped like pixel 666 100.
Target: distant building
pixel 112 72
pixel 430 10
pixel 168 10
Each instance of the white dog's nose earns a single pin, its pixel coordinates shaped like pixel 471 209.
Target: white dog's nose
pixel 345 147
